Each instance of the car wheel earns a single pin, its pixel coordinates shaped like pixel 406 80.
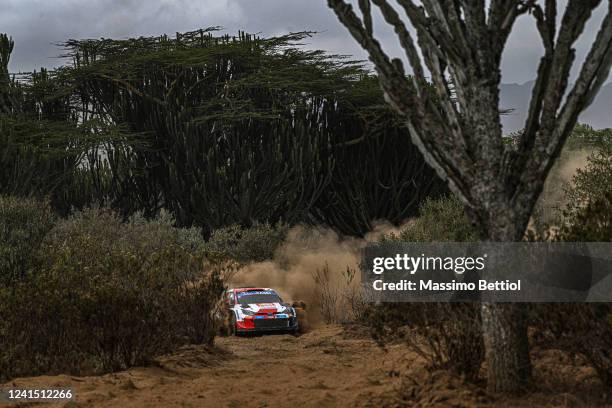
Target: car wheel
pixel 232 325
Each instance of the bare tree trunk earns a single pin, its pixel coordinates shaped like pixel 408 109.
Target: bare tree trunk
pixel 506 346
pixel 504 325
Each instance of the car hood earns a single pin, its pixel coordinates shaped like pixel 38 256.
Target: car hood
pixel 265 307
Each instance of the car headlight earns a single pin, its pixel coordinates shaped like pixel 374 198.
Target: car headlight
pixel 289 312
pixel 247 312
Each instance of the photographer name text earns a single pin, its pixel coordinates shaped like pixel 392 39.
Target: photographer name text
pixel 429 285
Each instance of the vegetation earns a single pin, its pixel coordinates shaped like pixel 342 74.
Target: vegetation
pixel 254 244
pixel 120 164
pixel 460 46
pixel 217 130
pixel 584 329
pixel 441 220
pixel 587 215
pixel 23 225
pixel 446 335
pixel 103 295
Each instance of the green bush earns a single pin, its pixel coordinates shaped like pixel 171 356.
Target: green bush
pixel 108 295
pixel 23 225
pixel 592 223
pixel 254 244
pixel 440 220
pixel 588 214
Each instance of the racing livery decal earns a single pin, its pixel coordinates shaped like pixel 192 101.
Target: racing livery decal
pixel 259 310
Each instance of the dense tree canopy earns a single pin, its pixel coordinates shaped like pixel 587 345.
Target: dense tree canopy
pixel 216 129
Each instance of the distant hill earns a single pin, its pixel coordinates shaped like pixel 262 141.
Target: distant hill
pixel 517 96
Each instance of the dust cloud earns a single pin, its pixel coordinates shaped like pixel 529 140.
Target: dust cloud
pixel 305 251
pixel 560 178
pixel 308 249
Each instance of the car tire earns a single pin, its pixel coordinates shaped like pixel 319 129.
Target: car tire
pixel 232 326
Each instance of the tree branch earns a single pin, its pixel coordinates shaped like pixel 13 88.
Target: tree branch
pixel 551 137
pixel 406 42
pixel 437 144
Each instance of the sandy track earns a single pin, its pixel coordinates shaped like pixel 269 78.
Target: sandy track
pixel 318 369
pixel 323 368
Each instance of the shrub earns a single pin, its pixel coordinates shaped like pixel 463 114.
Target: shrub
pixel 338 300
pixel 23 225
pixel 588 214
pixel 254 244
pixel 446 335
pixel 592 223
pixel 108 295
pixel 581 144
pixel 583 329
pixel 577 329
pixel 440 220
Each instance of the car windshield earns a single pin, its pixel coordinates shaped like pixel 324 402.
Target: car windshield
pixel 260 296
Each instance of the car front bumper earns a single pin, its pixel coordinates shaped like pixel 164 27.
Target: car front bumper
pixel 267 325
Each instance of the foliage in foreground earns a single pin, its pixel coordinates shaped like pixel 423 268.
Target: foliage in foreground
pixel 106 295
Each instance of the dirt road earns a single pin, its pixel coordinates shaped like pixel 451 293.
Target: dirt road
pixel 318 369
pixel 328 367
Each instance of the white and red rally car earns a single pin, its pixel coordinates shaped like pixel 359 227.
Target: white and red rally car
pixel 259 310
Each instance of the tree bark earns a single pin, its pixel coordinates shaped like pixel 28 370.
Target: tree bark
pixel 506 346
pixel 504 325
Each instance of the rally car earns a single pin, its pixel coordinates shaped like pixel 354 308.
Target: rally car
pixel 256 310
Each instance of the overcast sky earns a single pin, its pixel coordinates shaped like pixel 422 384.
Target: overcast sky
pixel 36 25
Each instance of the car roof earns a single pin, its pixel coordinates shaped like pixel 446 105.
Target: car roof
pixel 249 289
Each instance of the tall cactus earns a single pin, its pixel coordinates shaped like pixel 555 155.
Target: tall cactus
pixel 6 48
pixel 40 142
pixel 245 129
pixel 217 129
